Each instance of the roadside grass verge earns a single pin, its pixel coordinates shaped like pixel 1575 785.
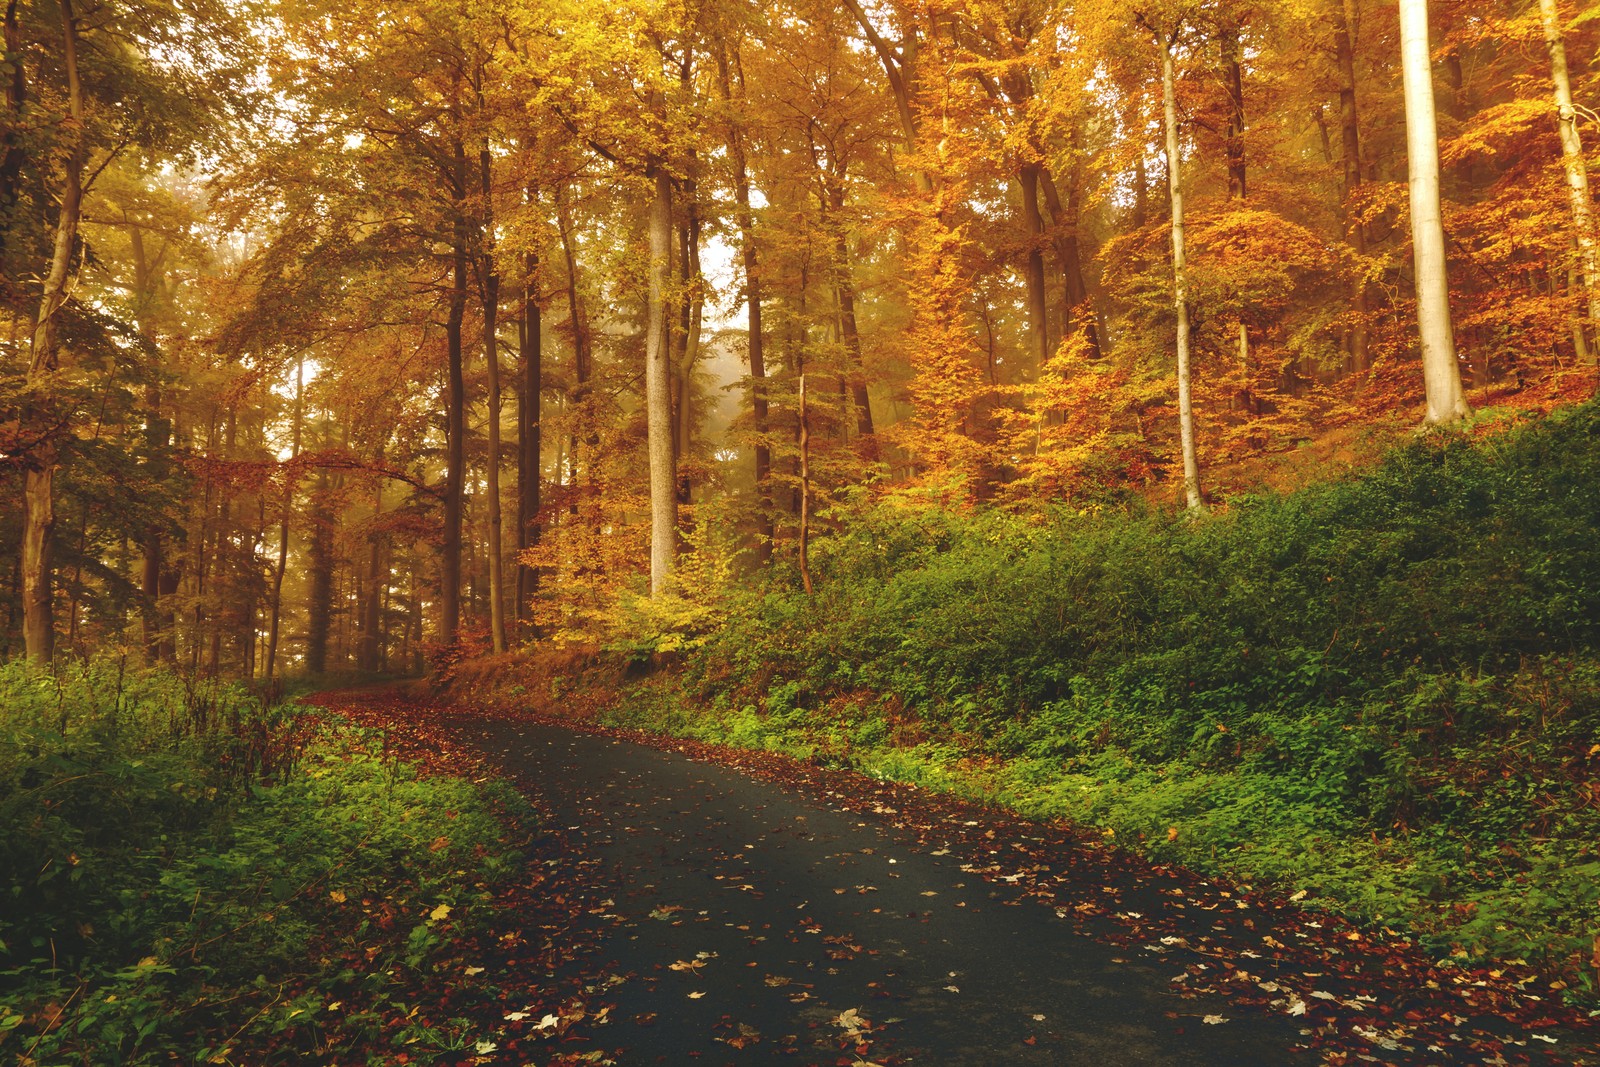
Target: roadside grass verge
pixel 190 874
pixel 1383 691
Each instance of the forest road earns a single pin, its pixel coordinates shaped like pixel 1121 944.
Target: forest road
pixel 757 924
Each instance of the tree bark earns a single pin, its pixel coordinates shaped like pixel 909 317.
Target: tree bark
pixel 849 331
pixel 658 390
pixel 753 327
pixel 1441 372
pixel 283 523
pixel 1079 311
pixel 1033 264
pixel 530 461
pixel 455 416
pixel 491 355
pixel 1350 139
pixel 1180 280
pixel 805 492
pixel 38 480
pixel 1233 77
pixel 1575 166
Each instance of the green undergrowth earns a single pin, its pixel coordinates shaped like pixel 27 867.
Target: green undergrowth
pixel 1383 690
pixel 186 872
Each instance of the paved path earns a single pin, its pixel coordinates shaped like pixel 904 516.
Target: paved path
pixel 755 924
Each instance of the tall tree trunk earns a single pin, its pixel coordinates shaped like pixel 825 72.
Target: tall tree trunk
pixel 491 355
pixel 1575 166
pixel 369 642
pixel 805 491
pixel 1180 279
pixel 1033 264
pixel 530 461
pixel 749 260
pixel 1233 77
pixel 844 289
pixel 1441 372
pixel 38 480
pixel 289 478
pixel 1079 313
pixel 658 390
pixel 692 316
pixel 1350 139
pixel 455 416
pixel 157 438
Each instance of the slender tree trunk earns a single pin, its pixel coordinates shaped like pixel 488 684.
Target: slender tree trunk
pixel 491 355
pixel 1233 77
pixel 692 317
pixel 1441 372
pixel 1079 311
pixel 1033 264
pixel 530 462
pixel 38 480
pixel 369 642
pixel 849 331
pixel 157 439
pixel 658 391
pixel 753 326
pixel 1350 137
pixel 455 417
pixel 283 523
pixel 805 491
pixel 576 318
pixel 1573 162
pixel 1180 280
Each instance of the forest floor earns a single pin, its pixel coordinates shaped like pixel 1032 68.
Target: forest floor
pixel 728 906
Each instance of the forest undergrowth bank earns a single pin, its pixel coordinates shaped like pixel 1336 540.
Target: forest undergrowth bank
pixel 1381 692
pixel 191 874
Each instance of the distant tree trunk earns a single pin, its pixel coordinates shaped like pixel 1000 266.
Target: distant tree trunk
pixel 369 643
pixel 455 417
pixel 1350 136
pixel 530 345
pixel 1573 162
pixel 157 438
pixel 1441 372
pixel 1180 279
pixel 1033 263
pixel 753 326
pixel 38 479
pixel 692 315
pixel 1079 312
pixel 491 355
pixel 805 491
pixel 1233 77
pixel 658 391
pixel 849 331
pixel 319 595
pixel 289 478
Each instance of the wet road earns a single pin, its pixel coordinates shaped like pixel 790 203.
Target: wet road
pixel 757 924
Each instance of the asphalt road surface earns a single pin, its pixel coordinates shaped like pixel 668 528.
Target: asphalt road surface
pixel 751 923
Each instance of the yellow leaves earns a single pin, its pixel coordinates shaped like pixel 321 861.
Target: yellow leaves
pixel 440 913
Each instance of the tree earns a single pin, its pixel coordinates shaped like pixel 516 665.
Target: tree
pixel 1574 164
pixel 1441 372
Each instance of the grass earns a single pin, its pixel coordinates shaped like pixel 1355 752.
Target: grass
pixel 1383 690
pixel 189 874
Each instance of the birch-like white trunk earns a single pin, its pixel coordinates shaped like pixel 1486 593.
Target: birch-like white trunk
pixel 1441 372
pixel 1180 283
pixel 658 393
pixel 1572 160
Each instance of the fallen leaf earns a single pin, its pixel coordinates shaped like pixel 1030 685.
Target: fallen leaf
pixel 441 912
pixel 1213 1020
